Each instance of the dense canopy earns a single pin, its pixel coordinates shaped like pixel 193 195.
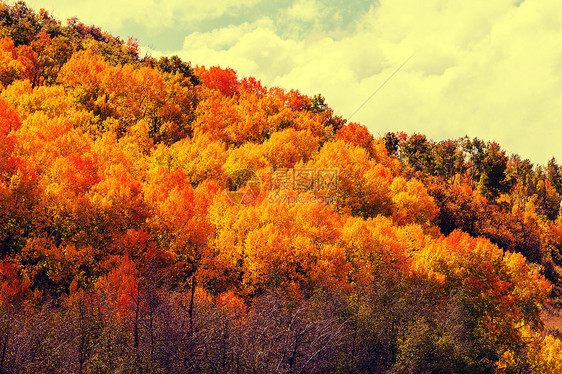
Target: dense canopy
pixel 131 241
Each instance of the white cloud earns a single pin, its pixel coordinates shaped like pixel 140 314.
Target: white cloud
pixel 226 37
pixel 153 14
pixel 305 10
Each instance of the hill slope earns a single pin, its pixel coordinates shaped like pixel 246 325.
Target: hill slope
pixel 156 217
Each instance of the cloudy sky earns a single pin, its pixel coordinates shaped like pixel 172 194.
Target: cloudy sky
pixel 482 68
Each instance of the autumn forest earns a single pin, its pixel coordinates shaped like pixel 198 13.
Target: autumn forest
pixel 163 217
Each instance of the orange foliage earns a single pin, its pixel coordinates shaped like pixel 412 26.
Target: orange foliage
pixel 129 94
pixel 10 67
pixel 252 86
pixel 121 287
pixel 358 135
pixel 375 249
pixel 9 124
pixel 13 288
pixel 274 245
pixel 411 203
pixel 502 290
pixel 114 174
pixel 363 185
pixel 287 147
pixel 223 80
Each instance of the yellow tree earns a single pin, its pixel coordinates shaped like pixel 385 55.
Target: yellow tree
pixel 200 157
pixel 363 186
pixel 411 203
pixel 287 147
pixel 274 246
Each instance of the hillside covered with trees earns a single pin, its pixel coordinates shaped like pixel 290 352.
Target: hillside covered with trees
pixel 157 217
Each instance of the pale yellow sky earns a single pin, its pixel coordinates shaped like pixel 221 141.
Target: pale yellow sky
pixel 486 68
